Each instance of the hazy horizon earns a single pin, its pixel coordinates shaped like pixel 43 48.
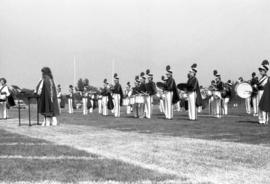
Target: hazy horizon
pixel 228 35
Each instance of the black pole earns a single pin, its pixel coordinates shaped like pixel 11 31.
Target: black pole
pixel 29 111
pixel 19 109
pixel 37 110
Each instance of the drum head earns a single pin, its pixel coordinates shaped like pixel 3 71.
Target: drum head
pixel 243 90
pixel 182 86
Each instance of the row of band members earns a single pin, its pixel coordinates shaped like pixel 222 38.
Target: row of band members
pixel 141 104
pixel 111 96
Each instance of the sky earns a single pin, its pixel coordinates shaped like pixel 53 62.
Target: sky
pixel 231 36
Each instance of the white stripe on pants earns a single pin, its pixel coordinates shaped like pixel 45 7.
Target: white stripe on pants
pixel 116 111
pixel 85 109
pixel 70 106
pixel 104 105
pixel 3 110
pixel 148 106
pixel 192 110
pixel 263 116
pixel 168 105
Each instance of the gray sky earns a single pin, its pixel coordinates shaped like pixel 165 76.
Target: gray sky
pixel 231 36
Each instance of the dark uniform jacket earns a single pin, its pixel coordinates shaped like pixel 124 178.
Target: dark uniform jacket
pixel 151 88
pixel 117 89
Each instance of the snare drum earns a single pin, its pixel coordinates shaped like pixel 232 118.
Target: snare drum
pixel 125 101
pixel 139 99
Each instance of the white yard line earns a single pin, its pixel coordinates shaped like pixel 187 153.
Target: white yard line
pixel 48 157
pixel 23 144
pixel 198 160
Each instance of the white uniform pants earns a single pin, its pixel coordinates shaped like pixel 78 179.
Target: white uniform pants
pixel 104 105
pixel 192 110
pixel 116 111
pixel 225 106
pixel 70 106
pixel 255 105
pixel 100 106
pixel 263 116
pixel 148 106
pixel 85 109
pixel 59 101
pixel 3 110
pixel 248 107
pixel 162 105
pixel 168 105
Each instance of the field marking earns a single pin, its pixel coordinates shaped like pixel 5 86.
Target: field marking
pixel 63 157
pixel 195 159
pixel 23 144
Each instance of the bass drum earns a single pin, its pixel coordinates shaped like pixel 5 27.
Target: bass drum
pixel 243 90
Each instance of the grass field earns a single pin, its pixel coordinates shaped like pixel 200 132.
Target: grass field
pixel 97 149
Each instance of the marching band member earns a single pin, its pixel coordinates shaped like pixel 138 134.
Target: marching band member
pixel 105 93
pixel 117 96
pixel 85 99
pixel 48 105
pixel 217 94
pixel 263 114
pixel 128 92
pixel 70 97
pixel 91 99
pixel 59 97
pixel 135 91
pixel 160 95
pixel 171 94
pixel 151 90
pixel 99 99
pixel 212 88
pixel 194 94
pixel 226 97
pixel 142 92
pixel 254 98
pixel 4 94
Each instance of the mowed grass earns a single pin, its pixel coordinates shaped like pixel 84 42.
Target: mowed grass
pixel 39 160
pixel 237 127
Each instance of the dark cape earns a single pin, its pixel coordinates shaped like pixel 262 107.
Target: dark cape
pixel 264 104
pixel 47 103
pixel 193 85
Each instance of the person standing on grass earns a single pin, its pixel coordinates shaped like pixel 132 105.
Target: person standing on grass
pixel 263 93
pixel 194 94
pixel 70 98
pixel 48 105
pixel 105 92
pixel 171 93
pixel 151 90
pixel 59 97
pixel 117 94
pixel 135 91
pixel 4 94
pixel 254 95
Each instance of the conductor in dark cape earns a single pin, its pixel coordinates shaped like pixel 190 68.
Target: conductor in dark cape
pixel 194 93
pixel 48 105
pixel 265 100
pixel 171 93
pixel 117 96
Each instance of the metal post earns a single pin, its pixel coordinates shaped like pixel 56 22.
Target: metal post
pixel 19 109
pixel 29 111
